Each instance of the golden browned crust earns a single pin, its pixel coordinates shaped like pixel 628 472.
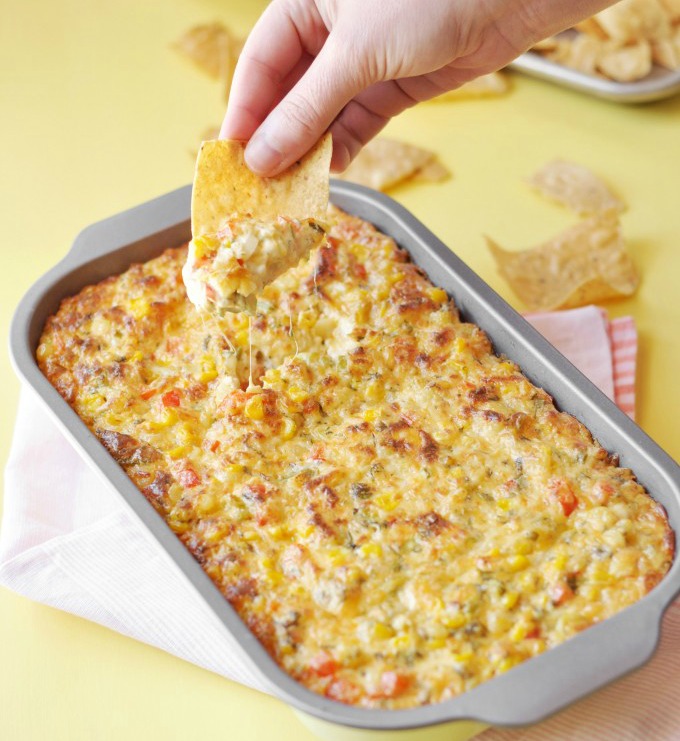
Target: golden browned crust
pixel 397 514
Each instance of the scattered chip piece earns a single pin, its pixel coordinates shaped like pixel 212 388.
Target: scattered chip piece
pixel 585 264
pixel 224 186
pixel 629 21
pixel 576 187
pixel 622 42
pixel 494 83
pixel 384 163
pixel 626 63
pixel 431 172
pixel 214 49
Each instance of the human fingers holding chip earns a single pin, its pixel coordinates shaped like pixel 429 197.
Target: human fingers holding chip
pixel 351 65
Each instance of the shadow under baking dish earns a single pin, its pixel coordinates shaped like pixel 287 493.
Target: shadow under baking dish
pixel 527 693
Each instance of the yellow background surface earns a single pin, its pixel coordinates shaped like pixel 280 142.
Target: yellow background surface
pixel 99 114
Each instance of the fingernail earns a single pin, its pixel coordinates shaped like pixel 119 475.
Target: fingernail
pixel 261 157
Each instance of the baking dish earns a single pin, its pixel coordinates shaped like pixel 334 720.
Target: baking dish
pixel 528 692
pixel 659 84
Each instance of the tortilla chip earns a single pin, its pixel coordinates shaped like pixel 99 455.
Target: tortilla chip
pixel 214 49
pixel 580 53
pixel 223 186
pixel 549 44
pixel 626 63
pixel 576 187
pixel 629 21
pixel 495 83
pixel 383 163
pixel 585 264
pixel 666 53
pixel 591 27
pixel 672 8
pixel 432 172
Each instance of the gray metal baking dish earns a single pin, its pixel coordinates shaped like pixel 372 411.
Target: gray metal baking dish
pixel 659 84
pixel 526 694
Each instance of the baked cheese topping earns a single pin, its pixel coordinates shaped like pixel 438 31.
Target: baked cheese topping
pixel 227 271
pixel 396 512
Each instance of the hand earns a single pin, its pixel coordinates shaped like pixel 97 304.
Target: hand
pixel 351 65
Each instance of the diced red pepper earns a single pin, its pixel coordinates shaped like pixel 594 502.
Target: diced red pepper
pixel 323 664
pixel 565 496
pixel 171 398
pixel 560 593
pixel 188 478
pixel 393 684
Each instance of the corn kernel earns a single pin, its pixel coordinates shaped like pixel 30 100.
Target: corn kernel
pixel 307 531
pixel 136 356
pixel 460 344
pixel 288 429
pixel 273 375
pixel 504 504
pixel 402 641
pixel 254 408
pixel 250 535
pixel 204 245
pixel 463 657
pixel 507 663
pixel 395 278
pixel 509 600
pixel 386 502
pixel 297 394
pixel 337 556
pixel 208 370
pixel 278 532
pixel 434 643
pixel 371 550
pixel 517 563
pixel 527 582
pixel 267 563
pixel 207 504
pixel 560 562
pixel 167 419
pixel 94 402
pixel 139 308
pixel 363 314
pixel 523 547
pixel 242 338
pixel 374 391
pixel 382 632
pixel 306 319
pixel 370 415
pixel 437 294
pixel 178 452
pixel 234 468
pixel 272 577
pixel 454 621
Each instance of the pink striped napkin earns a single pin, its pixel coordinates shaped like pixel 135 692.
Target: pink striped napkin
pixel 603 349
pixel 62 529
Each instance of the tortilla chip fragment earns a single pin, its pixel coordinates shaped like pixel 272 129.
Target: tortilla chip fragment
pixel 494 83
pixel 431 172
pixel 223 186
pixel 580 53
pixel 585 264
pixel 626 63
pixel 592 28
pixel 383 163
pixel 629 21
pixel 576 187
pixel 667 52
pixel 214 49
pixel 672 8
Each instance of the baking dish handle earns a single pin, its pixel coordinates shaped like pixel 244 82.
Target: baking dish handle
pixel 136 224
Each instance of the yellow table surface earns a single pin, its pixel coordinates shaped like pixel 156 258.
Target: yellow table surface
pixel 99 114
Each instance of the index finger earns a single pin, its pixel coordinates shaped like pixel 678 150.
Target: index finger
pixel 276 46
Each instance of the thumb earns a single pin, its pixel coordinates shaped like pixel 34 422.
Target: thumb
pixel 306 112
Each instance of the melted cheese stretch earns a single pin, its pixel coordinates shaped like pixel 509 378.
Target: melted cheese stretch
pixel 227 271
pixel 397 513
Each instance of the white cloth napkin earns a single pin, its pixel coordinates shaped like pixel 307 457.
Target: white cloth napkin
pixel 67 541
